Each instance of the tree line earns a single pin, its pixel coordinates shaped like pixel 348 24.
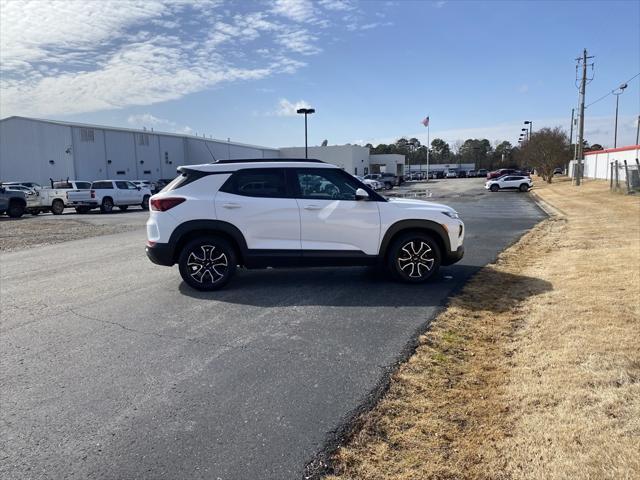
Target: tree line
pixel 547 149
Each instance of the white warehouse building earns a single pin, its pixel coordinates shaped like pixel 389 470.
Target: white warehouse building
pixel 38 150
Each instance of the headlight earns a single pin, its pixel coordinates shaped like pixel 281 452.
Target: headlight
pixel 451 214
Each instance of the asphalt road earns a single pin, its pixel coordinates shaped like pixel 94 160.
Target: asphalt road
pixel 112 368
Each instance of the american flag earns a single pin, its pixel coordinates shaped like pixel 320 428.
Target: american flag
pixel 425 122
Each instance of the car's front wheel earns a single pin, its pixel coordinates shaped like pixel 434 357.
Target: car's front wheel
pixel 494 188
pixel 207 263
pixel 414 258
pixel 524 187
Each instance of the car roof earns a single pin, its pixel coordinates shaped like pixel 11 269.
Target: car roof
pixel 233 165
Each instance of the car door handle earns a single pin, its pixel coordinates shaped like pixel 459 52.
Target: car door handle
pixel 231 205
pixel 312 207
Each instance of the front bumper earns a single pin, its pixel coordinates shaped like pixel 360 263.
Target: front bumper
pixel 454 257
pixel 160 254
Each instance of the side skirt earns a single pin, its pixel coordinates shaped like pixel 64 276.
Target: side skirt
pixel 307 258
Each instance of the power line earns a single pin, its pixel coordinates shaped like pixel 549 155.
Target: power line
pixel 606 95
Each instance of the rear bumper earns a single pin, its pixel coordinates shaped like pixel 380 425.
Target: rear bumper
pixel 160 254
pixel 82 203
pixel 454 257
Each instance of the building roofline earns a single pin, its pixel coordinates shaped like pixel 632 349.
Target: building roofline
pixel 612 150
pixel 134 130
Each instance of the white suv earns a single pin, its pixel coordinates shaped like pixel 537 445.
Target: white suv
pixel 509 182
pixel 287 212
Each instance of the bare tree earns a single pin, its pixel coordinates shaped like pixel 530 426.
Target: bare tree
pixel 547 149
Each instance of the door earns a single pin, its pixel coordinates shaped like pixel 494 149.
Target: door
pixel 331 217
pixel 123 193
pixel 256 201
pixel 135 193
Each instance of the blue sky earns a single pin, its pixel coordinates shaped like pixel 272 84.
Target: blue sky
pixel 371 69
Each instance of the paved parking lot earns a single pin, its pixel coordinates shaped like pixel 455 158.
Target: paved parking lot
pixel 112 368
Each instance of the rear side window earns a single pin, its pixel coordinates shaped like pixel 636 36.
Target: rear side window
pixel 257 182
pixel 122 185
pixel 83 185
pixel 186 177
pixel 101 185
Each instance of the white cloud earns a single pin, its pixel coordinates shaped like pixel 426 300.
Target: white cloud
pixel 288 109
pixel 73 56
pixel 141 120
pixel 524 88
pixel 298 10
pixel 338 5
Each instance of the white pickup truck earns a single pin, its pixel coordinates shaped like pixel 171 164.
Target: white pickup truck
pixel 107 194
pixel 56 198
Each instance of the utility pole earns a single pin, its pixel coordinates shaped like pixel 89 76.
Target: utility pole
pixel 638 131
pixel 583 87
pixel 571 139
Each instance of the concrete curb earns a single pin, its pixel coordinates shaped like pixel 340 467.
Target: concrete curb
pixel 546 207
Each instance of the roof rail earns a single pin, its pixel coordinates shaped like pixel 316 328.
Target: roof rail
pixel 258 160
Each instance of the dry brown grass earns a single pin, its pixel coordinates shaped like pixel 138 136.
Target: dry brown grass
pixel 533 371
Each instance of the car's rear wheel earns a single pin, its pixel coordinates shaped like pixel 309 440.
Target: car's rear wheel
pixel 107 205
pixel 524 187
pixel 207 263
pixel 16 209
pixel 414 258
pixel 494 188
pixel 57 207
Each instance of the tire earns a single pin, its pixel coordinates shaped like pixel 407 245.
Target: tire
pixel 57 207
pixel 494 188
pixel 388 186
pixel 82 210
pixel 123 207
pixel 414 257
pixel 16 209
pixel 145 203
pixel 107 205
pixel 35 212
pixel 207 263
pixel 524 187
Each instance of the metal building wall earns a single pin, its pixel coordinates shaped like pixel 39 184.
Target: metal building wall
pixel 35 151
pixel 89 157
pixel 172 155
pixel 147 156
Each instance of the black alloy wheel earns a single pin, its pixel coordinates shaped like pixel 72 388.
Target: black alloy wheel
pixel 414 258
pixel 494 187
pixel 207 263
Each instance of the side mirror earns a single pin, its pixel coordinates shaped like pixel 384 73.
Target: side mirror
pixel 137 188
pixel 361 194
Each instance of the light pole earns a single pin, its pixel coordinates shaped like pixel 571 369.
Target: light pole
pixel 530 123
pixel 526 133
pixel 617 92
pixel 305 111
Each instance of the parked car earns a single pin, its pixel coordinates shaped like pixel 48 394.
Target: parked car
pixel 292 221
pixel 373 184
pixel 31 196
pixel 451 174
pixel 509 182
pixel 462 174
pixel 55 198
pixel 501 172
pixel 471 173
pixel 12 202
pixel 32 185
pixel 482 172
pixel 160 184
pixel 557 171
pixel 387 179
pixel 106 194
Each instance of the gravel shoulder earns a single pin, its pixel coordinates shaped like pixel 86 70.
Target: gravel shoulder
pixel 23 233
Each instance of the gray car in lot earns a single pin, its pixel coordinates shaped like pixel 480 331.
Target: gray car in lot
pixel 12 202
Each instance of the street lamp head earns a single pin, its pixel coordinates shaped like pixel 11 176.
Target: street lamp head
pixel 524 129
pixel 306 110
pixel 527 122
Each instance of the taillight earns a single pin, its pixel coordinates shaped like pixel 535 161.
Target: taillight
pixel 93 194
pixel 164 204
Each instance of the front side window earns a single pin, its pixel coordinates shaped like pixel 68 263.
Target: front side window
pixel 132 186
pixel 257 182
pixel 326 184
pixel 122 185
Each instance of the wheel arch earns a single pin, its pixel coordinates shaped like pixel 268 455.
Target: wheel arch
pixel 432 228
pixel 196 228
pixel 18 200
